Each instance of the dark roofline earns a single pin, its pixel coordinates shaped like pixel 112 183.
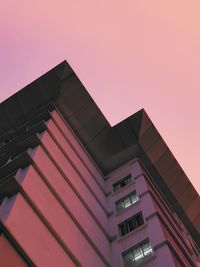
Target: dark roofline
pixel 109 146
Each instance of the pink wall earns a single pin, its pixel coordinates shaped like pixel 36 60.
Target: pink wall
pixel 8 255
pixel 72 202
pixel 70 173
pixel 78 163
pixel 33 236
pixel 59 220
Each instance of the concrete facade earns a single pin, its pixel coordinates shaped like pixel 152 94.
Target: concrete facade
pixel 60 207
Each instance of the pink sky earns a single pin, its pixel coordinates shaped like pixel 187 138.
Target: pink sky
pixel 129 55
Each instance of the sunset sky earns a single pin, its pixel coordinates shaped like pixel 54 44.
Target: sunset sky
pixel 129 54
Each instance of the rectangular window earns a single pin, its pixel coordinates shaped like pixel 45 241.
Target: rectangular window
pixel 123 182
pixel 137 254
pixel 131 224
pixel 127 201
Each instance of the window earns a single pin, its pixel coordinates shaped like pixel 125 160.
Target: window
pixel 131 224
pixel 127 201
pixel 137 254
pixel 123 182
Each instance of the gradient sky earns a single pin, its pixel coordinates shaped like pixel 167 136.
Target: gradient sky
pixel 129 54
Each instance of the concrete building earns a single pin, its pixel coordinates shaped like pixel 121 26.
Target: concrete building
pixel 75 191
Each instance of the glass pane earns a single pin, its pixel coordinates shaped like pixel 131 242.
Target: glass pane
pixel 137 251
pixel 128 256
pixel 148 252
pixel 127 202
pixel 137 254
pixel 146 246
pixel 123 183
pixel 127 180
pixel 138 219
pixel 147 249
pixel 134 198
pixel 120 205
pixel 131 225
pixel 138 258
pixel 123 229
pixel 116 187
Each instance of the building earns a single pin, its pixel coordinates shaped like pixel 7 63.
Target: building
pixel 75 191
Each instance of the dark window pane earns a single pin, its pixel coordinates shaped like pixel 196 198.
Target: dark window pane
pixel 120 205
pixel 128 257
pixel 138 219
pixel 116 187
pixel 122 183
pixel 131 225
pixel 123 229
pixel 128 180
